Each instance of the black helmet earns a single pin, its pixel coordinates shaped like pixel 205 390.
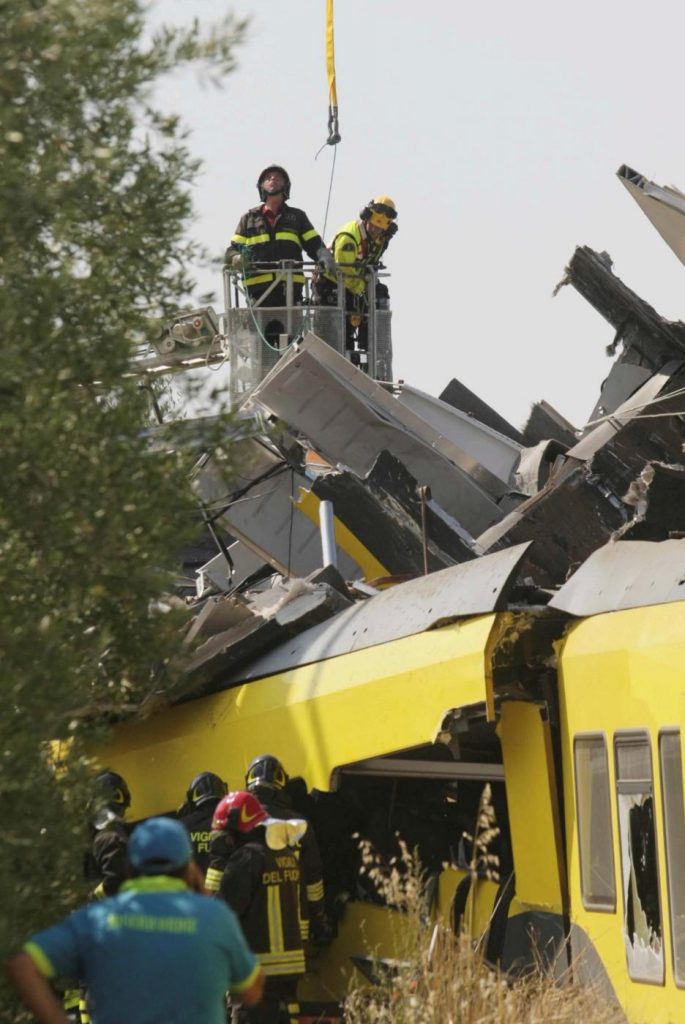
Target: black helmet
pixel 111 791
pixel 281 170
pixel 266 770
pixel 206 786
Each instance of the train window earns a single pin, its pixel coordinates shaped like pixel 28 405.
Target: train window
pixel 593 802
pixel 674 832
pixel 641 905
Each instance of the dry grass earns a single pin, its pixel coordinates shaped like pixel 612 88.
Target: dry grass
pixel 441 978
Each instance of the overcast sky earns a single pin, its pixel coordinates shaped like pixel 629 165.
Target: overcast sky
pixel 497 128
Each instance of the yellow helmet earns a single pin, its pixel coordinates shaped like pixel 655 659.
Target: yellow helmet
pixel 380 211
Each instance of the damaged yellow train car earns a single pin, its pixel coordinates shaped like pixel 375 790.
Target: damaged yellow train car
pixel 398 710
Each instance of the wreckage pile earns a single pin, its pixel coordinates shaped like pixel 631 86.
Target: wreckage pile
pixel 419 484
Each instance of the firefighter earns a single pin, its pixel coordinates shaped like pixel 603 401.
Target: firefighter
pixel 268 780
pixel 202 796
pixel 357 245
pixel 269 233
pixel 261 884
pixel 107 863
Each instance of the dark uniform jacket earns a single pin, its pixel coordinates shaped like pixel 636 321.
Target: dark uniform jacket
pixel 262 887
pixel 256 238
pixel 107 863
pixel 312 911
pixel 198 822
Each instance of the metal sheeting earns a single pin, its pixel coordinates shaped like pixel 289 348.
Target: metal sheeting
pixel 350 419
pixel 664 206
pixel 264 517
pixel 497 453
pixel 638 402
pixel 625 574
pixel 474 588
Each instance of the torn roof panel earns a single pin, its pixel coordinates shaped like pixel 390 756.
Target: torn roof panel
pixel 474 588
pixel 350 419
pixel 625 574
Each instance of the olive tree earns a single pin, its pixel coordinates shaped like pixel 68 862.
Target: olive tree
pixel 95 202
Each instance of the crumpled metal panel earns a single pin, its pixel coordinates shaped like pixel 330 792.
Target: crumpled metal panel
pixel 664 206
pixel 350 419
pixel 631 408
pixel 496 452
pixel 264 516
pixel 384 514
pixel 474 588
pixel 625 574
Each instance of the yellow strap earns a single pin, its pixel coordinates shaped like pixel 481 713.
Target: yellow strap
pixel 330 56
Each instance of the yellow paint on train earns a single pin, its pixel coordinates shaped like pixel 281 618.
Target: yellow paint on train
pixel 622 674
pixel 314 717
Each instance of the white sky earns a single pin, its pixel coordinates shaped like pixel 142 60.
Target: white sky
pixel 497 128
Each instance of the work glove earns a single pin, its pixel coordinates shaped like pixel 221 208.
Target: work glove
pixel 325 258
pixel 240 263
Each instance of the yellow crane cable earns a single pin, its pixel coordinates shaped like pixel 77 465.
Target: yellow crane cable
pixel 333 129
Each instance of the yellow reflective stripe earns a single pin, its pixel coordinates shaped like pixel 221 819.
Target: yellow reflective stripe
pixel 281 958
pixel 213 879
pixel 255 239
pixel 273 912
pixel 264 278
pixel 259 279
pixel 304 929
pixel 71 998
pixel 40 959
pixel 309 234
pixel 240 239
pixel 293 1012
pixel 287 236
pixel 283 963
pixel 315 892
pixel 241 986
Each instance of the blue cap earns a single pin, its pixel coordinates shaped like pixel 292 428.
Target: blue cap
pixel 159 845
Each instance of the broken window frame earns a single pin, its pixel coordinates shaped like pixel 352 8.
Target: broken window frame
pixel 673 812
pixel 595 830
pixel 647 964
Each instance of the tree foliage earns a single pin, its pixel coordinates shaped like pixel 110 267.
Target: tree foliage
pixel 94 202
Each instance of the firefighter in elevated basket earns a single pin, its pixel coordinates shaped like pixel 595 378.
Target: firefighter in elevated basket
pixel 261 884
pixel 272 232
pixel 358 245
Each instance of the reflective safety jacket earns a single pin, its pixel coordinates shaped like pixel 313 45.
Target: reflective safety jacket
pixel 312 908
pixel 261 242
pixel 262 887
pixel 352 245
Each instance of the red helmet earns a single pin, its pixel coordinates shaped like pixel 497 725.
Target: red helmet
pixel 238 812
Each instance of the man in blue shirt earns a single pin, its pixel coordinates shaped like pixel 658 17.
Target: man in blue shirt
pixel 156 953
